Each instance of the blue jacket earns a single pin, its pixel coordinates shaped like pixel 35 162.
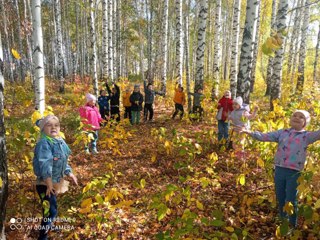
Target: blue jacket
pixel 51 159
pixel 103 102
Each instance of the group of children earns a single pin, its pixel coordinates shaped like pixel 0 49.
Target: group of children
pixel 50 161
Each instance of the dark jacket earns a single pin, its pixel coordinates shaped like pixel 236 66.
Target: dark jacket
pixel 134 98
pixel 114 98
pixel 103 102
pixel 149 94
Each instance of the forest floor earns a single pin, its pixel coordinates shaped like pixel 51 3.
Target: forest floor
pixel 164 179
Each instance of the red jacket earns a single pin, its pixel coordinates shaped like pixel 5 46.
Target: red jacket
pixel 226 103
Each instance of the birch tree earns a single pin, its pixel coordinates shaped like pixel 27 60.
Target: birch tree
pixel 105 39
pixel 165 46
pixel 110 39
pixel 59 43
pixel 93 49
pixel 38 56
pixel 270 60
pixel 179 42
pixel 245 68
pixel 186 51
pixel 277 65
pixel 203 12
pixel 234 47
pixel 315 64
pixel 255 50
pixel 303 49
pixel 28 43
pixel 217 50
pixel 3 160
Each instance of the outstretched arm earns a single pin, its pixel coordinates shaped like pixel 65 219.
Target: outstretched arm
pixel 263 137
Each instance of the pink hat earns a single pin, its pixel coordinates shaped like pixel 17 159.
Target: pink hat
pixel 90 97
pixel 43 121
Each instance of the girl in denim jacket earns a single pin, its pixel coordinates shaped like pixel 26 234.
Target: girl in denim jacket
pixel 50 165
pixel 290 158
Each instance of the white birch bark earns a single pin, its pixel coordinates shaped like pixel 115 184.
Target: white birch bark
pixel 217 50
pixel 203 12
pixel 114 39
pixel 105 55
pixel 277 65
pixel 38 56
pixel 179 41
pixel 110 39
pixel 6 35
pixel 255 51
pixel 294 38
pixel 165 46
pixel 303 48
pixel 270 60
pixel 28 43
pixel 245 68
pixel 118 38
pixel 3 152
pixel 59 43
pixel 93 49
pixel 315 64
pixel 186 50
pixel 235 47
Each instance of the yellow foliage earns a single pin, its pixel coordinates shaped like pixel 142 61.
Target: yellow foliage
pixel 15 54
pixel 199 205
pixel 288 208
pixel 241 179
pixel 85 203
pixel 1 182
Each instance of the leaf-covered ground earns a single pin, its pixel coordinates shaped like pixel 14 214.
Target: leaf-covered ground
pixel 159 180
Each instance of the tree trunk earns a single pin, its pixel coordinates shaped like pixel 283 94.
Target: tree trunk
pixel 203 12
pixel 149 38
pixel 179 42
pixel 165 46
pixel 315 64
pixel 255 51
pixel 5 29
pixel 277 65
pixel 59 43
pixel 186 50
pixel 110 39
pixel 217 51
pixel 93 49
pixel 3 152
pixel 244 75
pixel 38 56
pixel 294 37
pixel 105 53
pixel 20 50
pixel 270 60
pixel 303 49
pixel 118 38
pixel 234 48
pixel 27 20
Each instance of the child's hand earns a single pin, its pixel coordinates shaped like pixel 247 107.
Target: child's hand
pixel 50 189
pixel 137 102
pixel 241 129
pixel 74 178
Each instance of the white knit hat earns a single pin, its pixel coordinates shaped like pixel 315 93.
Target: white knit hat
pixel 43 121
pixel 306 115
pixel 238 100
pixel 90 97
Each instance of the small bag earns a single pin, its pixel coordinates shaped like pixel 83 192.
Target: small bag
pixel 219 114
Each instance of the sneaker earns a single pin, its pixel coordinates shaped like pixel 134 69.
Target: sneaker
pixel 94 151
pixel 87 151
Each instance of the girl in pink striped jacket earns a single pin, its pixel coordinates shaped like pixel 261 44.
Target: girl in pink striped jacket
pixel 91 117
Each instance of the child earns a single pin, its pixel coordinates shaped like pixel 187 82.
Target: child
pixel 289 159
pixel 114 101
pixel 240 117
pixel 103 101
pixel 136 100
pixel 223 126
pixel 197 100
pixel 50 165
pixel 91 118
pixel 179 100
pixel 149 94
pixel 127 104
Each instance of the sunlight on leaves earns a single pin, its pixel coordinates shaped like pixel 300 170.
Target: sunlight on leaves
pixel 15 54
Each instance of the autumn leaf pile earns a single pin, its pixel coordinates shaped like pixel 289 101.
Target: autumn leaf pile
pixel 165 179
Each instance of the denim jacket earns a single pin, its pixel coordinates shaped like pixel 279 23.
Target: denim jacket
pixel 51 159
pixel 292 146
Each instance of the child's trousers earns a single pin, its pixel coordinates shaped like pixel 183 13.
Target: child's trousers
pixel 178 107
pixel 135 117
pixel 286 183
pixel 223 129
pixel 46 222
